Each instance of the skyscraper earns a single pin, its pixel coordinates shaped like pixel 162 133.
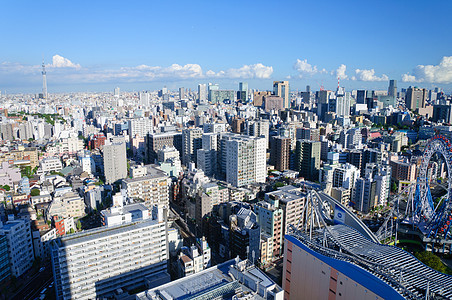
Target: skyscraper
pixel 281 89
pixel 115 162
pixel 202 92
pixel 181 93
pixel 242 93
pixel 392 89
pixel 116 92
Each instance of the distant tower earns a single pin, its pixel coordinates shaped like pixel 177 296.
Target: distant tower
pixel 44 81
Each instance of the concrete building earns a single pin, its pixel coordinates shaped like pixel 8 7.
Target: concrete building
pixel 41 242
pixel 245 159
pixel 244 235
pixel 5 268
pixel 281 89
pixel 202 93
pixel 194 259
pixel 153 188
pixel 258 128
pixel 280 153
pixel 415 98
pixel 191 142
pixel 364 197
pixel 156 141
pixel 70 204
pixel 270 220
pixel 20 245
pixel 95 263
pixel 50 164
pixel 115 162
pixel 291 200
pixel 120 215
pixel 307 159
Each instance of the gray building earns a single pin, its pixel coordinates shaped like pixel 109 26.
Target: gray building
pixel 115 162
pixel 307 159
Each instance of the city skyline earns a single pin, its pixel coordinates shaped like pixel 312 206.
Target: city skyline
pixel 145 46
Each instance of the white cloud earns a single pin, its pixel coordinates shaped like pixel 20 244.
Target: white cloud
pixel 61 62
pixel 259 71
pixel 368 75
pixel 441 73
pixel 340 72
pixel 304 67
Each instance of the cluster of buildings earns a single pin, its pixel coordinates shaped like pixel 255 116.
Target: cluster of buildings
pixel 178 182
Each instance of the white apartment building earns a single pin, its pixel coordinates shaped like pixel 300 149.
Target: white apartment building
pixel 20 245
pixel 139 127
pixel 41 242
pixel 50 164
pixel 68 205
pixel 246 160
pixel 95 263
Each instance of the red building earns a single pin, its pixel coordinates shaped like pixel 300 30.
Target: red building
pixel 59 225
pixel 97 141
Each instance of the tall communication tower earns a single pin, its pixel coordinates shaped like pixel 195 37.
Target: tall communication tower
pixel 44 81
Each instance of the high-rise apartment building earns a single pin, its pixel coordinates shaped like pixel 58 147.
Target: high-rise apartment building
pixel 258 128
pixel 307 159
pixel 245 159
pixel 280 153
pixel 281 89
pixel 95 263
pixel 157 141
pixel 364 197
pixel 115 162
pixel 5 269
pixel 191 142
pixel 20 244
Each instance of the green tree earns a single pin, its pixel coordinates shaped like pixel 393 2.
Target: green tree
pixel 394 187
pixel 79 225
pixel 35 192
pixel 72 230
pixel 6 187
pixel 431 260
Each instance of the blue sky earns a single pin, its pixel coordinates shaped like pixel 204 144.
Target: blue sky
pixel 144 45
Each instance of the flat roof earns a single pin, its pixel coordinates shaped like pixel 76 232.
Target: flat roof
pixel 101 232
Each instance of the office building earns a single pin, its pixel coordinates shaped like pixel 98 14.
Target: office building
pixel 242 93
pixel 20 245
pixel 221 96
pixel 181 93
pixel 273 103
pixel 115 162
pixel 157 141
pixel 442 113
pixel 415 98
pixel 307 159
pixel 364 197
pixel 97 262
pixel 258 98
pixel 202 92
pixel 392 89
pixel 281 89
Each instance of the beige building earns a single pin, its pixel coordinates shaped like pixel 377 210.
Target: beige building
pixel 281 89
pixel 153 188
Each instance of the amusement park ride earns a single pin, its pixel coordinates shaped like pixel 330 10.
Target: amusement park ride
pixel 431 223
